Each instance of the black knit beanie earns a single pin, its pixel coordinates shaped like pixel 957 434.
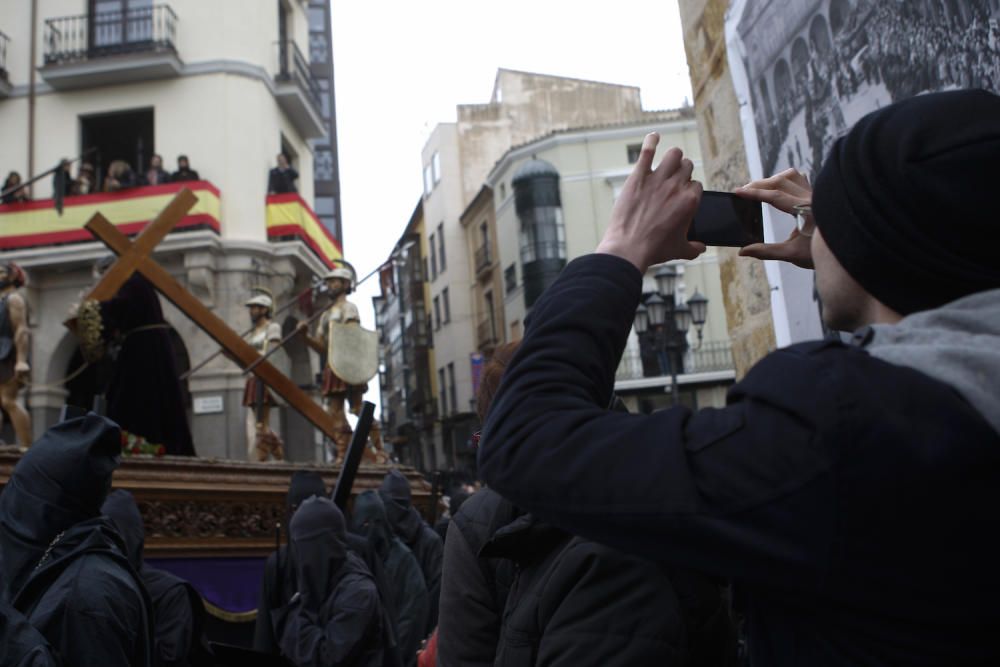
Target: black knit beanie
pixel 909 200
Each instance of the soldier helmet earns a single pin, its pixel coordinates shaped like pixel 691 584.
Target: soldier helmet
pixel 261 298
pixel 344 271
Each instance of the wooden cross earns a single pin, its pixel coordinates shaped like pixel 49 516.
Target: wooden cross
pixel 135 256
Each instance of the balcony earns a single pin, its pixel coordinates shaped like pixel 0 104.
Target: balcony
pixel 4 78
pixel 289 218
pixel 298 92
pixel 712 362
pixel 486 334
pixel 110 47
pixel 483 259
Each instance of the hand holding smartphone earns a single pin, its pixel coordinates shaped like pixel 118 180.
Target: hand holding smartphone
pixel 723 219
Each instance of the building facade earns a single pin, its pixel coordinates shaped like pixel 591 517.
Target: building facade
pixel 121 80
pixel 554 202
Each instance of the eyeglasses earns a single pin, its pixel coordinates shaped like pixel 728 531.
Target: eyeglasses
pixel 804 219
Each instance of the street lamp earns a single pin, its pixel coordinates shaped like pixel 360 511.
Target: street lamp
pixel 669 336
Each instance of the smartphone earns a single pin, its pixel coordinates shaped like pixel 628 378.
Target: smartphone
pixel 723 219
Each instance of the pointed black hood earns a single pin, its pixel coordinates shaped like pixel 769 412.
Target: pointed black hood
pixel 61 481
pixel 398 501
pixel 319 536
pixel 303 485
pixel 121 508
pixel 368 518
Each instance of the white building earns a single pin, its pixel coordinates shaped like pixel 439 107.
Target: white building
pixel 227 83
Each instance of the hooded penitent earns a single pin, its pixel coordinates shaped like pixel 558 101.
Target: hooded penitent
pixel 401 569
pixel 62 564
pixel 319 538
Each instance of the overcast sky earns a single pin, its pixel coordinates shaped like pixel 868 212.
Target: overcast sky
pixel 401 67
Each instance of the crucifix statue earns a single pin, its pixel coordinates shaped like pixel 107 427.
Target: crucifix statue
pixel 135 258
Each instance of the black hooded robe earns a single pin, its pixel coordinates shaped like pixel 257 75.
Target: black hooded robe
pixel 334 618
pixel 144 395
pixel 178 612
pixel 62 565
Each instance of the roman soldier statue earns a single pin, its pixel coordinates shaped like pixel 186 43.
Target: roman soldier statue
pixel 351 359
pixel 14 339
pixel 262 442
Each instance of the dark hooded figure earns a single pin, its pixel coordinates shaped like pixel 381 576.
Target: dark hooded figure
pixel 178 612
pixel 62 565
pixel 279 585
pixel 421 539
pixel 21 645
pixel 401 569
pixel 335 617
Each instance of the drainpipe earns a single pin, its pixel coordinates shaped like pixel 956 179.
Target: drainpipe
pixel 31 91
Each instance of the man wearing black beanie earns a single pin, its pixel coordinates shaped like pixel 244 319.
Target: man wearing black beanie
pixel 847 490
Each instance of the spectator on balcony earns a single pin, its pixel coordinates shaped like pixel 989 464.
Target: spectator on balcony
pixel 282 178
pixel 17 195
pixel 120 177
pixel 156 174
pixel 62 179
pixel 184 171
pixel 86 180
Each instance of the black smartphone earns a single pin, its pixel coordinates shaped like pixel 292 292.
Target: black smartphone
pixel 723 219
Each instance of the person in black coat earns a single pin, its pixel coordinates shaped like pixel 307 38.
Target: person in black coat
pixel 178 611
pixel 184 171
pixel 334 618
pixel 281 179
pixel 848 489
pixel 143 392
pixel 278 584
pixel 420 538
pixel 63 566
pixel 401 570
pixel 21 645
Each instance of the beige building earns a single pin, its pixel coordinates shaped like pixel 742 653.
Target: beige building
pixel 481 246
pixel 456 160
pixel 585 170
pixel 227 87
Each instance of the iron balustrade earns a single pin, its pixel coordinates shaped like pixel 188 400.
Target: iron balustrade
pixel 713 355
pixel 4 40
pixel 293 66
pixel 484 257
pixel 90 36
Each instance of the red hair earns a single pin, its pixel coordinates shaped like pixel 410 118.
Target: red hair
pixel 489 382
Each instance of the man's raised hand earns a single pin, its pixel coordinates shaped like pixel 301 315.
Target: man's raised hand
pixel 784 192
pixel 650 219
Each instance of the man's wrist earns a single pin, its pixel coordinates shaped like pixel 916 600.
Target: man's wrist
pixel 625 251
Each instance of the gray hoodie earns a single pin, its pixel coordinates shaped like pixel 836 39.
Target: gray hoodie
pixel 957 344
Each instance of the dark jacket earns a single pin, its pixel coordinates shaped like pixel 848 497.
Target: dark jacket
pixel 182 175
pixel 280 181
pixel 279 584
pixel 474 592
pixel 156 177
pixel 401 569
pixel 63 565
pixel 849 498
pixel 21 645
pixel 576 602
pixel 420 538
pixel 178 611
pixel 334 619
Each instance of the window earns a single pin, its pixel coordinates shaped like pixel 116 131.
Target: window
pixel 633 151
pixel 434 261
pixel 428 182
pixel 510 277
pixel 442 392
pixel 515 331
pixel 441 257
pixel 436 168
pixel 437 313
pixel 323 164
pixel 503 191
pixel 490 314
pixel 447 305
pixel 451 387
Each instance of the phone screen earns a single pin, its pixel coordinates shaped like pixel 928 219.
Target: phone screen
pixel 723 219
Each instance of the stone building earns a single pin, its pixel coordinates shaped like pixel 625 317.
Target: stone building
pixel 122 80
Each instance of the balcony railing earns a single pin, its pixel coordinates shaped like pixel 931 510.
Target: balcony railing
pixel 293 66
pixel 486 333
pixel 484 257
pixel 89 36
pixel 4 41
pixel 712 356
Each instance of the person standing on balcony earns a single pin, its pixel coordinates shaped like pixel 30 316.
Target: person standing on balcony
pixel 120 177
pixel 156 174
pixel 85 182
pixel 184 171
pixel 14 196
pixel 282 178
pixel 62 179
